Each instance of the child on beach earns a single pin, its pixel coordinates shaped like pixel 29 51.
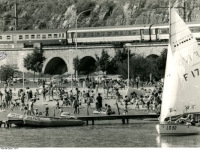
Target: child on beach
pixel 12 106
pixel 46 111
pixel 3 105
pixel 60 110
pixel 36 112
pixel 26 110
pixel 57 104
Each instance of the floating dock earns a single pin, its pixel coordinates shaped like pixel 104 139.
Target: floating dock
pixel 124 118
pixel 118 117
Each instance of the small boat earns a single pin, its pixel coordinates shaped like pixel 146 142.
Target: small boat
pixel 181 87
pixel 17 119
pixel 40 121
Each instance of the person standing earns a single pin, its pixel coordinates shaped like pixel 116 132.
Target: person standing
pixel 7 98
pixel 99 100
pixel 29 93
pixel 88 102
pixel 50 88
pixel 126 100
pixel 5 85
pixel 84 84
pixel 1 95
pixel 137 80
pixel 44 93
pixel 75 106
pixel 30 109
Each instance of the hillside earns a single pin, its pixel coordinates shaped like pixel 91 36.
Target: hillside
pixel 41 14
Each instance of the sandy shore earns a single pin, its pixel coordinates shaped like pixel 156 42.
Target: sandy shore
pixel 83 109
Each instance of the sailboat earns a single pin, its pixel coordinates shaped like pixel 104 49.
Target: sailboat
pixel 181 93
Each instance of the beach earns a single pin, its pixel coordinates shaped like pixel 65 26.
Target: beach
pixel 83 108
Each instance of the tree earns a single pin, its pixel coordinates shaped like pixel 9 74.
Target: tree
pixel 76 63
pixel 34 61
pixel 161 62
pixel 121 55
pixel 112 67
pixel 121 59
pixel 6 72
pixel 103 61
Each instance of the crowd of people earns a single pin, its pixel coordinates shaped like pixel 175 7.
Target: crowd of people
pixel 151 99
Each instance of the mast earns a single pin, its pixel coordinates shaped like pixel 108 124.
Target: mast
pixel 169 21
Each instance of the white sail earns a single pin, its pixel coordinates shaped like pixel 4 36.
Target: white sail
pixel 186 54
pixel 182 87
pixel 171 87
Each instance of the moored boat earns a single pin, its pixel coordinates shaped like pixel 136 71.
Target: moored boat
pixel 41 121
pixel 181 85
pixel 177 129
pixel 17 119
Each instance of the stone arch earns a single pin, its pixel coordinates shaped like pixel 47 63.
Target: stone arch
pixel 87 65
pixel 152 56
pixel 55 66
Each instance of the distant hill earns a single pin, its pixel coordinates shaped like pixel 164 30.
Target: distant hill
pixel 42 14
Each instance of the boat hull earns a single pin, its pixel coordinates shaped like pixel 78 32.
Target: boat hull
pixel 177 129
pixel 51 121
pixel 16 119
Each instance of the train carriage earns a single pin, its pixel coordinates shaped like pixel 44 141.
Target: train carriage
pixel 29 37
pixel 131 33
pixel 162 31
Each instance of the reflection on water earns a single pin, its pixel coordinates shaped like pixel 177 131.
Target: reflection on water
pixel 178 141
pixel 104 134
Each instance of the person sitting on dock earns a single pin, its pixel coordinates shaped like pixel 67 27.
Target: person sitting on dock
pixel 105 108
pixel 109 110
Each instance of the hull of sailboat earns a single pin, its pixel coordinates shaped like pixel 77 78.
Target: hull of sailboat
pixel 177 129
pixel 51 121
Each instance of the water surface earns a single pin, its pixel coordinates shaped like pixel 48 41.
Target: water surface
pixel 103 134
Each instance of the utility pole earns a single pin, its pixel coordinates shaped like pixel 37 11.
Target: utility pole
pixel 16 18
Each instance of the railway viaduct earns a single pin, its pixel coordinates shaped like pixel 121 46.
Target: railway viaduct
pixel 62 57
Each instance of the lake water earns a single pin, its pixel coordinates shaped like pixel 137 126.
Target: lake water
pixel 103 134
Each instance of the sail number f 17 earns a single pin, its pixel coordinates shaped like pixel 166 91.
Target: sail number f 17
pixel 194 73
pixel 171 128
